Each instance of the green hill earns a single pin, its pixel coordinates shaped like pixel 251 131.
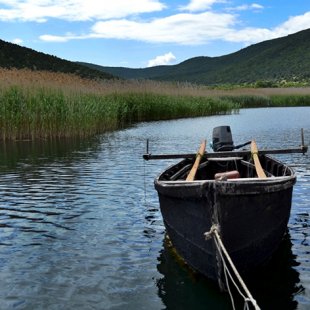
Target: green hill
pixel 286 58
pixel 15 56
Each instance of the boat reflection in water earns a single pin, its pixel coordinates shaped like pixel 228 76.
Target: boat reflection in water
pixel 274 286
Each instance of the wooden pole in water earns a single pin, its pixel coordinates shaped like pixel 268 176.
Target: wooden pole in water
pixel 259 170
pixel 201 151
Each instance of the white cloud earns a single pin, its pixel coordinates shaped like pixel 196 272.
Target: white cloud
pixel 256 6
pixel 17 41
pixel 187 29
pixel 52 38
pixel 199 5
pixel 161 60
pixel 293 24
pixel 74 10
pixel 255 35
pixel 246 7
pixel 113 20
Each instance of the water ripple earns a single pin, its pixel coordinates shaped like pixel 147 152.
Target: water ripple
pixel 80 226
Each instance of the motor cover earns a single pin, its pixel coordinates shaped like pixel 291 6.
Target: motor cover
pixel 222 139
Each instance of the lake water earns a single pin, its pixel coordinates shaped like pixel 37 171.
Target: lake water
pixel 80 226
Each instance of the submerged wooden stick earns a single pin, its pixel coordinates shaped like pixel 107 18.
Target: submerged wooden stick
pixel 259 170
pixel 201 151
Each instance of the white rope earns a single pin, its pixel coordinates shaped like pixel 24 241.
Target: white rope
pixel 222 250
pixel 226 271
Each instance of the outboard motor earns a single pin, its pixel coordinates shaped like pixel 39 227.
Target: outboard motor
pixel 222 139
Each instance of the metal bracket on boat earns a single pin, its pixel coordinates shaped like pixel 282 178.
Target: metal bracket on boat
pixel 303 146
pixel 302 149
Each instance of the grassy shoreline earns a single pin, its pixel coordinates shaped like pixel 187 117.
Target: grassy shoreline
pixel 42 105
pixel 46 113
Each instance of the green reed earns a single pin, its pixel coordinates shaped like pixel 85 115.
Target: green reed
pixel 261 101
pixel 290 100
pixel 30 113
pixel 51 110
pixel 136 107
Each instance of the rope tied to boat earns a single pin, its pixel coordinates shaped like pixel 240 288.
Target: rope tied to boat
pixel 208 235
pixel 214 232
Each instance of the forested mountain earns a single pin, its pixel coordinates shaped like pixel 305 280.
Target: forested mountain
pixel 281 59
pixel 15 56
pixel 286 58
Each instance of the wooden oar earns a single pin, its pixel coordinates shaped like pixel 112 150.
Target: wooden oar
pixel 259 170
pixel 201 151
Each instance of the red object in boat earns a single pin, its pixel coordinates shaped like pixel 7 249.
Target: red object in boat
pixel 234 174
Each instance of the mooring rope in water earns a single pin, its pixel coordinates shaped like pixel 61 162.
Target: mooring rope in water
pixel 222 250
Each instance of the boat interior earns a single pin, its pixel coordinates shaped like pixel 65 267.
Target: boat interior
pixel 226 168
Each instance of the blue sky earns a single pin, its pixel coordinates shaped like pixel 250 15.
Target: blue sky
pixel 143 33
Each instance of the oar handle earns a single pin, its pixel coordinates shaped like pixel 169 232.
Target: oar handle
pixel 258 167
pixel 201 151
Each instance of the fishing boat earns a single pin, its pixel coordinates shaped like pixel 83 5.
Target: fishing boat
pixel 245 194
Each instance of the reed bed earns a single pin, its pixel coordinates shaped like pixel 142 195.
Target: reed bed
pixel 72 83
pixel 45 105
pixel 273 100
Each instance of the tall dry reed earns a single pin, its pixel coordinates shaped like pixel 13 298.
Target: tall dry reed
pixel 35 104
pixel 48 105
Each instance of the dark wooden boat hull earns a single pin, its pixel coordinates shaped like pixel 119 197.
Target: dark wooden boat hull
pixel 252 215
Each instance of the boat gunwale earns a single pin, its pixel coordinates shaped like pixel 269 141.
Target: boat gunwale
pixel 268 180
pixel 248 180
